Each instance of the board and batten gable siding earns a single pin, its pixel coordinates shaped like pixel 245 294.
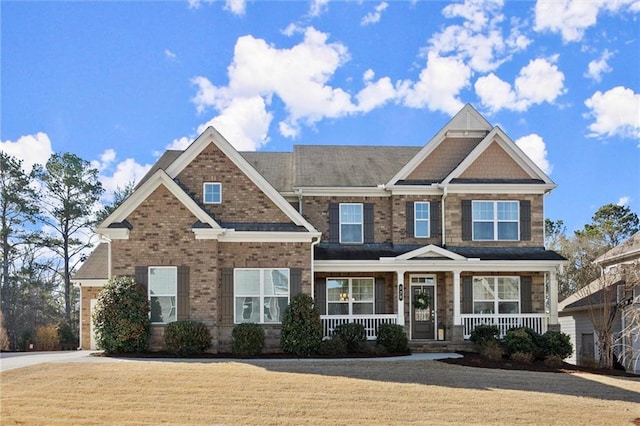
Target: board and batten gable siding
pixel 242 200
pixel 459 220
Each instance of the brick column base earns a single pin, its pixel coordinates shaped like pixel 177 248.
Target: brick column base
pixel 457 334
pixel 553 327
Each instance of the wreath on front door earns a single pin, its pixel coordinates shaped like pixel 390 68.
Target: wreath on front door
pixel 421 300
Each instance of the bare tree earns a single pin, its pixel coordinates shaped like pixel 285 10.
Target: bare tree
pixel 627 343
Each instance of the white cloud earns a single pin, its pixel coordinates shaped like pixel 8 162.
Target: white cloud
pixel 31 149
pixel 170 55
pixel 237 7
pixel 479 41
pixel 539 81
pixel 244 123
pixel 597 67
pixel 114 175
pixel 438 87
pixel 534 146
pixel 318 7
pixel 571 18
pixel 180 144
pixel 624 201
pixel 616 113
pixel 374 17
pixel 376 93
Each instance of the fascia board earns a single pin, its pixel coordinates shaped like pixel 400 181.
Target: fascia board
pixel 469 265
pixel 431 248
pixel 499 136
pixel 434 142
pixel 159 178
pixel 268 237
pixel 328 191
pixel 211 135
pixel 94 282
pixel 499 188
pixel 433 189
pixel 114 233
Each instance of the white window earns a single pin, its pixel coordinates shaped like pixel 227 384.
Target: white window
pixel 421 220
pixel 496 295
pixel 350 296
pixel 261 295
pixel 351 223
pixel 212 193
pixel 496 220
pixel 163 291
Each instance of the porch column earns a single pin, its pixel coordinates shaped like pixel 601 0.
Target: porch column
pixel 553 297
pixel 457 320
pixel 402 292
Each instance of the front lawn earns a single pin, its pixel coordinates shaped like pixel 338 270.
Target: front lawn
pixel 308 392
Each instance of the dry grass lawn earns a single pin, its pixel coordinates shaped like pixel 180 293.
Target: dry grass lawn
pixel 315 393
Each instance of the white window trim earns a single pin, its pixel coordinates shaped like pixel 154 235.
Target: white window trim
pixel 262 295
pixel 204 189
pixel 416 220
pixel 496 300
pixel 349 300
pixel 495 220
pixel 149 295
pixel 361 223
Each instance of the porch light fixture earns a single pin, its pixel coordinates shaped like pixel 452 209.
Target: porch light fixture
pixel 400 292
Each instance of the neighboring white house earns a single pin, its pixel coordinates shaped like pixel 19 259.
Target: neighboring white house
pixel 614 292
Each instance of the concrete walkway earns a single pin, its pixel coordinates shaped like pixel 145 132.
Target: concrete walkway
pixel 13 360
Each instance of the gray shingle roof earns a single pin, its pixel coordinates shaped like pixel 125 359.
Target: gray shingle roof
pixel 96 265
pixel 163 162
pixel 275 167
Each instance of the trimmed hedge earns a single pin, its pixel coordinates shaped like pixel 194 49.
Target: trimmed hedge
pixel 556 344
pixel 247 339
pixel 301 327
pixel 484 335
pixel 393 338
pixel 187 338
pixel 353 335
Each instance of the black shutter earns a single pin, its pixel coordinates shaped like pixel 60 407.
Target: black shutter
pixel 334 222
pixel 525 220
pixel 226 296
pixel 380 296
pixel 320 295
pixel 142 277
pixel 525 295
pixel 368 223
pixel 434 219
pixel 295 282
pixel 410 217
pixel 467 295
pixel 183 293
pixel 467 224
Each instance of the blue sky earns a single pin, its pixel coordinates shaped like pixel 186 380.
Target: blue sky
pixel 119 82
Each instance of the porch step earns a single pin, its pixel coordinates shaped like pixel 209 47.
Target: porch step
pixel 431 346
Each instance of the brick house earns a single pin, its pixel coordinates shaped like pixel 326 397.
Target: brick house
pixel 437 238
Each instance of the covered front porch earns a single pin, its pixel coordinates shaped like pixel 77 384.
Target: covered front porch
pixel 436 295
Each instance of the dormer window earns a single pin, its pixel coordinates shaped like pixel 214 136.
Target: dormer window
pixel 212 193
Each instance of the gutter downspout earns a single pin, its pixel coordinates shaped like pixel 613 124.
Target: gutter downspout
pixel 314 242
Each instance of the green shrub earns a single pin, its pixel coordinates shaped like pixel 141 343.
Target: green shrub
pixel 553 361
pixel 393 338
pixel 47 338
pixel 556 343
pixel 492 350
pixel 121 317
pixel 187 338
pixel 522 339
pixel 66 334
pixel 353 335
pixel 247 339
pixel 24 340
pixel 301 327
pixel 332 347
pixel 484 334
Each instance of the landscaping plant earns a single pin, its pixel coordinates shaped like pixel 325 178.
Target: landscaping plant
pixel 187 338
pixel 556 343
pixel 301 327
pixel 121 318
pixel 353 335
pixel 393 338
pixel 247 339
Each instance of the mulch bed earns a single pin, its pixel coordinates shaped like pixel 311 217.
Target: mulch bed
pixel 472 359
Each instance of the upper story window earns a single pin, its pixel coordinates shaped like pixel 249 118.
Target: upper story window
pixel 261 295
pixel 496 220
pixel 421 219
pixel 351 223
pixel 212 193
pixel 163 292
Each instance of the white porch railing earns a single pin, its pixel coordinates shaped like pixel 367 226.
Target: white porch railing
pixel 370 323
pixel 537 322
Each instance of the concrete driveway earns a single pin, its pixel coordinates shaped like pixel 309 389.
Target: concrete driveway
pixel 13 360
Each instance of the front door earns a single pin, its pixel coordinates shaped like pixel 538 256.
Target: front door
pixel 423 307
